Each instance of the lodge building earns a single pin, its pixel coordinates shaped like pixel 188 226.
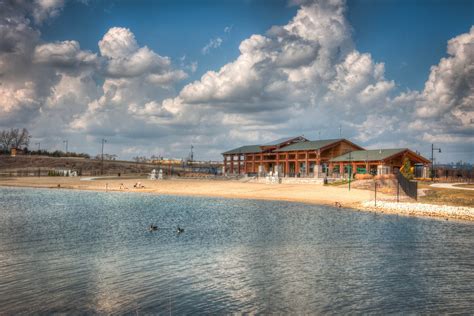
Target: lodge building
pixel 298 156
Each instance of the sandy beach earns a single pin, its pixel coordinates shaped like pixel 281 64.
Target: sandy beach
pixel 305 193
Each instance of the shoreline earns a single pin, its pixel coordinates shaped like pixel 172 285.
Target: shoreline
pixel 357 200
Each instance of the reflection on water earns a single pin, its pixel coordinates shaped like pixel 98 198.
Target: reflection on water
pixel 88 252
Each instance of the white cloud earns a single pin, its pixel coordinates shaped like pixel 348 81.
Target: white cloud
pixel 126 58
pixel 449 90
pixel 66 53
pixel 45 9
pixel 213 43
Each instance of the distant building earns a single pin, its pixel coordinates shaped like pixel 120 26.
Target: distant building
pixel 16 151
pixel 298 156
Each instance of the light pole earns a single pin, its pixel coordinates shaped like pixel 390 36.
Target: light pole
pixel 102 157
pixel 65 142
pixel 432 160
pixel 192 154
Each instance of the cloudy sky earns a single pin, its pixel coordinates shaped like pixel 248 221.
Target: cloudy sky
pixel 154 77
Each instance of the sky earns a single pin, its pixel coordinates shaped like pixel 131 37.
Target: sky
pixel 155 77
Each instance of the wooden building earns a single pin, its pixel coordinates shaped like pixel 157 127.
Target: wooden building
pixel 298 156
pixel 287 156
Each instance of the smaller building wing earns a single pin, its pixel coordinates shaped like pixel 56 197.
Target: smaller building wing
pixel 375 155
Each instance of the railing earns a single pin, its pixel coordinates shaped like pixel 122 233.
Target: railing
pixel 409 187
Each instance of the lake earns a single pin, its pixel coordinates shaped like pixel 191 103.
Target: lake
pixel 67 251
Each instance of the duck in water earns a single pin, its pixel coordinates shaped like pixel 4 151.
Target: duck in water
pixel 152 227
pixel 179 230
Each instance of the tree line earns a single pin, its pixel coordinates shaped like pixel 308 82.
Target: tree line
pixel 20 139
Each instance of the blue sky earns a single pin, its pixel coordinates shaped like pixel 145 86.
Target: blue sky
pixel 154 77
pixel 408 36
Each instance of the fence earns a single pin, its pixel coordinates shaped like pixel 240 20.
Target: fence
pixel 409 187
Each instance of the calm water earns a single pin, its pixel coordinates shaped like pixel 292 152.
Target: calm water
pixel 87 252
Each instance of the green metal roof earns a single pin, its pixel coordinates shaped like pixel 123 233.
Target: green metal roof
pixel 244 150
pixel 368 155
pixel 309 145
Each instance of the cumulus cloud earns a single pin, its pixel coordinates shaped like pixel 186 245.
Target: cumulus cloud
pixel 45 9
pixel 63 54
pixel 126 59
pixel 448 96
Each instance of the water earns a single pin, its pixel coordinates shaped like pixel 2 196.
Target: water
pixel 88 252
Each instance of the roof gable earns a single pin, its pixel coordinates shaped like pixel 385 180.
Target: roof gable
pixel 284 140
pixel 309 145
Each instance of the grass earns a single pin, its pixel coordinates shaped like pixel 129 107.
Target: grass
pixel 448 197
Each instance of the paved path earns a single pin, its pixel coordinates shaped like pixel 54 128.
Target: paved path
pixel 450 186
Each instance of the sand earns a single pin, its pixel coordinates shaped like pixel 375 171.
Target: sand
pixel 305 193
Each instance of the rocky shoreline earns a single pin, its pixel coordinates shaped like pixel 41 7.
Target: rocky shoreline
pixel 421 209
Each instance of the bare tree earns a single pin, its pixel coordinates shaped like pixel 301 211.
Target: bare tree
pixel 14 138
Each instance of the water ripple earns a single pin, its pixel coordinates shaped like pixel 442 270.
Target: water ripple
pixel 90 253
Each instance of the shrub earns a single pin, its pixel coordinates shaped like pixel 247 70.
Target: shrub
pixel 361 176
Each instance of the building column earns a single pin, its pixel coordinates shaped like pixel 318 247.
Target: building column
pixel 297 164
pixel 317 167
pixel 225 164
pixel 307 164
pixel 287 166
pixel 231 164
pixel 238 164
pixel 341 169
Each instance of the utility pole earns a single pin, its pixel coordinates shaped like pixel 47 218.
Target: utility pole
pixel 102 157
pixel 65 142
pixel 340 131
pixel 432 160
pixel 192 154
pixel 39 146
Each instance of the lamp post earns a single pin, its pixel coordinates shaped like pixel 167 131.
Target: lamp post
pixel 102 157
pixel 432 160
pixel 65 142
